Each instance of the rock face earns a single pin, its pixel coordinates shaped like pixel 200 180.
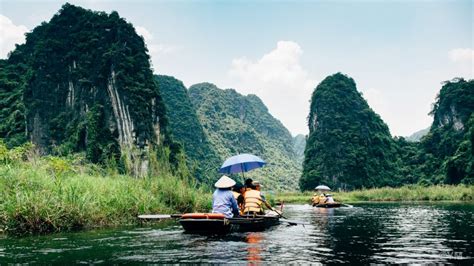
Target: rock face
pixel 447 149
pixel 187 129
pixel 241 124
pixel 348 146
pixel 299 144
pixel 89 87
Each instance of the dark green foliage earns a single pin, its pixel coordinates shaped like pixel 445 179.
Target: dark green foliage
pixel 12 109
pixel 62 82
pixel 348 146
pixel 447 153
pixel 187 129
pixel 241 124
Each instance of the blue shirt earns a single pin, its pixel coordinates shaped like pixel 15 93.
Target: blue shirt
pixel 223 201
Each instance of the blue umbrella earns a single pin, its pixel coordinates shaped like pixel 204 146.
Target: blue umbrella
pixel 241 163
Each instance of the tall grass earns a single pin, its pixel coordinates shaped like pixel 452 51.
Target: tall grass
pixel 50 194
pixel 404 193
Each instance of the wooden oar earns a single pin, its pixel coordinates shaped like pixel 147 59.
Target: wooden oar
pixel 159 216
pixel 294 222
pixel 281 215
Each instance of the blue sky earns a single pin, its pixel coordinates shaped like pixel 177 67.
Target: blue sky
pixel 398 52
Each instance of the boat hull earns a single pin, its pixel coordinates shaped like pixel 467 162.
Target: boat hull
pixel 328 205
pixel 226 225
pixel 206 226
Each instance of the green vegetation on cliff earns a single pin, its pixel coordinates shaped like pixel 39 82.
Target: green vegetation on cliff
pixel 12 108
pixel 242 124
pixel 447 151
pixel 186 129
pixel 348 146
pixel 83 82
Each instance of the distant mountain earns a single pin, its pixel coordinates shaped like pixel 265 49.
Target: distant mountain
pixel 187 130
pixel 348 146
pixel 299 144
pixel 82 82
pixel 242 124
pixel 418 135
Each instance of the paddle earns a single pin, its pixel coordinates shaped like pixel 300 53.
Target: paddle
pixel 294 222
pixel 281 215
pixel 159 216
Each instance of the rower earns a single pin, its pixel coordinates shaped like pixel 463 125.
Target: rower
pixel 329 198
pixel 223 200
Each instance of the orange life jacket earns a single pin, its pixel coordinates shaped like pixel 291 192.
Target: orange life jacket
pixel 252 201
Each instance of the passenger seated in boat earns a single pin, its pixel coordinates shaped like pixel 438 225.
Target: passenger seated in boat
pixel 319 199
pixel 254 201
pixel 238 191
pixel 223 200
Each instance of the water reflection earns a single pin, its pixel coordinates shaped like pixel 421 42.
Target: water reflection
pixel 254 247
pixel 365 234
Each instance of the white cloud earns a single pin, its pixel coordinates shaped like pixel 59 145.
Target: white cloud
pixel 155 49
pixel 464 60
pixel 144 33
pixel 280 80
pixel 462 55
pixel 10 34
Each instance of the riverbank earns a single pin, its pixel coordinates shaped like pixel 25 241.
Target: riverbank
pixel 53 194
pixel 405 193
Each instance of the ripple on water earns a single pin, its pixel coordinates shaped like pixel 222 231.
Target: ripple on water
pixel 366 233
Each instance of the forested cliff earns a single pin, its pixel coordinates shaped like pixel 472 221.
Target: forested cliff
pixel 186 128
pixel 447 151
pixel 349 146
pixel 83 82
pixel 242 124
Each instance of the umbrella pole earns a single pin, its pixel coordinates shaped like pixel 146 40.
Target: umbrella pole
pixel 243 176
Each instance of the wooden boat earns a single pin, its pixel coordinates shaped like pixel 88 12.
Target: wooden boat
pixel 216 223
pixel 328 205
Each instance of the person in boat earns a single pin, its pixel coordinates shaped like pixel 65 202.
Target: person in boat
pixel 319 199
pixel 238 191
pixel 223 201
pixel 329 199
pixel 254 201
pixel 258 187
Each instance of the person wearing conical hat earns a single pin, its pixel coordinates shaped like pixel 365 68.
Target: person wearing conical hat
pixel 223 201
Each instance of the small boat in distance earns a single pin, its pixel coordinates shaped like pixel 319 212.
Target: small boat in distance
pixel 328 205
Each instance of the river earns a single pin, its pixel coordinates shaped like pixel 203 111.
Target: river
pixel 367 233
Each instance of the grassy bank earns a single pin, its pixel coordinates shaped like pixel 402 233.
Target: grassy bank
pixel 405 193
pixel 50 194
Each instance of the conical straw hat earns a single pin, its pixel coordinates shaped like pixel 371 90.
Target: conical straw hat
pixel 224 182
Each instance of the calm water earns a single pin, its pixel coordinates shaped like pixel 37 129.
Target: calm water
pixel 366 233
